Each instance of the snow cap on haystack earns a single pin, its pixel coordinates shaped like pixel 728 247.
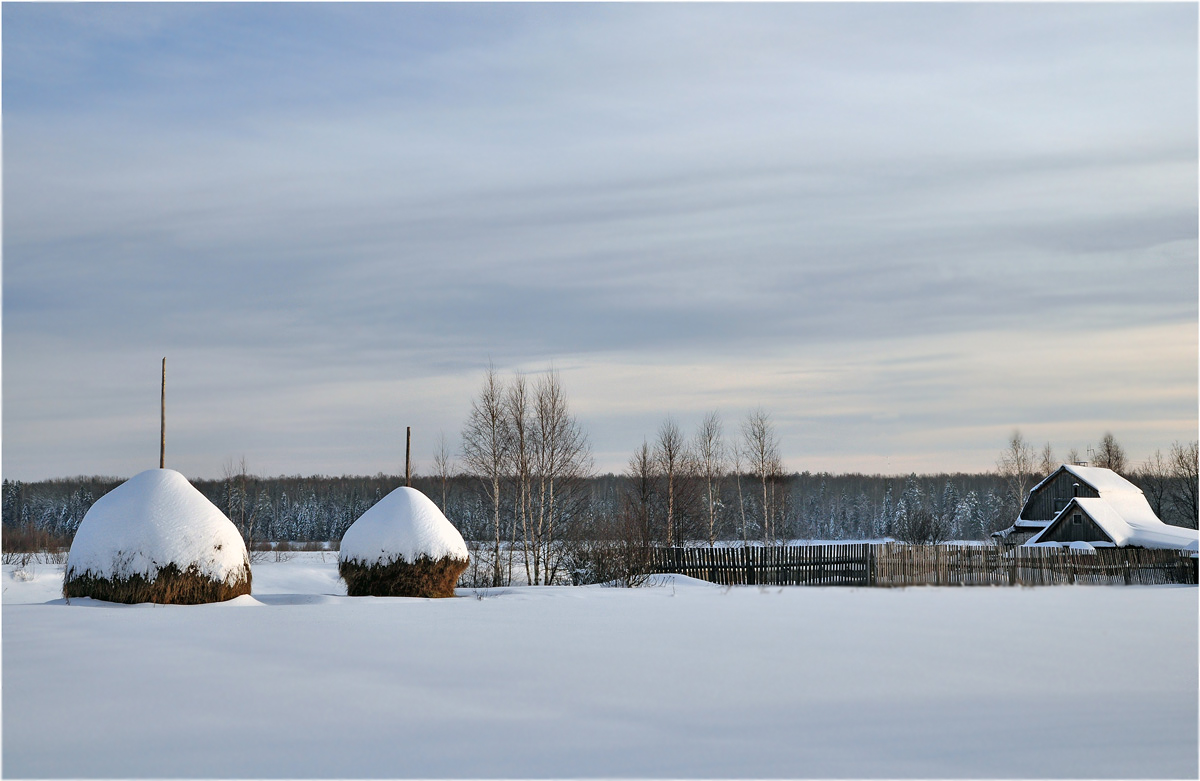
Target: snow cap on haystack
pixel 155 538
pixel 406 525
pixel 402 546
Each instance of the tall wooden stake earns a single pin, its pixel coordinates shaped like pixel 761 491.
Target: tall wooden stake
pixel 407 455
pixel 162 424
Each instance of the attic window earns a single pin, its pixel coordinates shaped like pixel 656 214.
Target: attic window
pixel 1076 519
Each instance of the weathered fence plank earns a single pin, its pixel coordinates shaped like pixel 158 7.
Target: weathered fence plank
pixel 895 564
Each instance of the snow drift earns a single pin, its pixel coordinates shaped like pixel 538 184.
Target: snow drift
pixel 402 547
pixel 592 682
pixel 155 538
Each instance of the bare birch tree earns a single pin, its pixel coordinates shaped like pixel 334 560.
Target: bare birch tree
pixel 561 458
pixel 516 407
pixel 237 499
pixel 443 466
pixel 643 479
pixel 485 444
pixel 1153 476
pixel 1047 464
pixel 736 454
pixel 630 539
pixel 670 456
pixel 1110 454
pixel 761 446
pixel 1185 469
pixel 1016 465
pixel 709 450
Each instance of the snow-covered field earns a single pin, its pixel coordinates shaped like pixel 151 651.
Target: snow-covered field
pixel 681 679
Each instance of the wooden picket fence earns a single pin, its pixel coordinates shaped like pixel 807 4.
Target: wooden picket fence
pixel 895 564
pixel 790 565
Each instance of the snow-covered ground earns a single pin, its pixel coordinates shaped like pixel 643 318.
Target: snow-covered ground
pixel 681 679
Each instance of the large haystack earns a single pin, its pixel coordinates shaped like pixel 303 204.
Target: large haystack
pixel 402 547
pixel 155 538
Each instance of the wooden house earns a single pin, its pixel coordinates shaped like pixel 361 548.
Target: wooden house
pixel 1119 524
pixel 1087 504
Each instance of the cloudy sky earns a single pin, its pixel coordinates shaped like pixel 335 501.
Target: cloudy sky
pixel 903 230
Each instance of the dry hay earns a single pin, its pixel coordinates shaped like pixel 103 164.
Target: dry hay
pixel 425 577
pixel 169 586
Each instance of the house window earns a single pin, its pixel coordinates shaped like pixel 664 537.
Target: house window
pixel 1076 519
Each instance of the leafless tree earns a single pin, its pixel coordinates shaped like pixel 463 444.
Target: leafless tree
pixel 670 457
pixel 1048 463
pixel 1153 476
pixel 239 507
pixel 1185 469
pixel 230 476
pixel 643 480
pixel 443 466
pixel 919 526
pixel 485 445
pixel 618 547
pixel 736 454
pixel 1072 456
pixel 760 444
pixel 1016 465
pixel 709 450
pixel 243 501
pixel 1110 454
pixel 561 459
pixel 516 409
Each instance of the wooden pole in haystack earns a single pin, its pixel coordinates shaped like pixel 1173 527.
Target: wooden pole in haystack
pixel 162 424
pixel 408 455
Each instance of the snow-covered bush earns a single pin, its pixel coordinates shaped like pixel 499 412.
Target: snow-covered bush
pixel 615 551
pixel 919 525
pixel 402 547
pixel 155 538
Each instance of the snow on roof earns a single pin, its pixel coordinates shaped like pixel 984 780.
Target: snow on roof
pixel 404 525
pixel 1102 479
pixel 1021 525
pixel 1107 483
pixel 1128 520
pixel 151 520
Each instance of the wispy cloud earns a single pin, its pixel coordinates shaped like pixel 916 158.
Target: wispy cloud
pixel 324 204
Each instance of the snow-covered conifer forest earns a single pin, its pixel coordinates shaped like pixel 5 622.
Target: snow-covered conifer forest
pixel 702 489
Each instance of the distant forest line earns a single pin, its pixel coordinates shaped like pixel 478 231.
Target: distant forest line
pixel 805 505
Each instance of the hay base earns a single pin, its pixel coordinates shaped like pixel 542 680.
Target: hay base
pixel 170 586
pixel 423 578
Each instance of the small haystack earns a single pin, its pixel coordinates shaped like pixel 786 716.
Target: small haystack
pixel 402 547
pixel 155 538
